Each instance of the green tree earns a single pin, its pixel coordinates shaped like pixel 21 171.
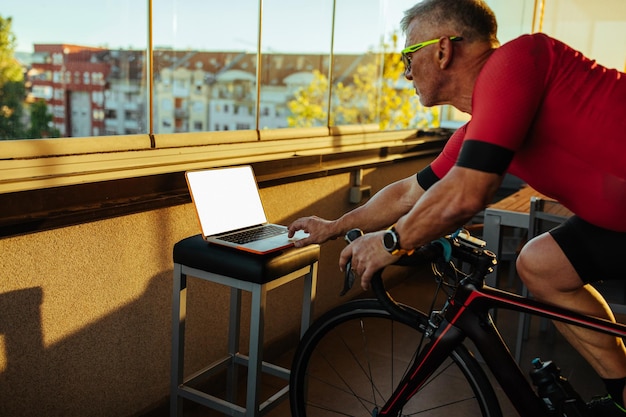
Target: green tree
pixel 11 110
pixel 12 90
pixel 369 98
pixel 41 122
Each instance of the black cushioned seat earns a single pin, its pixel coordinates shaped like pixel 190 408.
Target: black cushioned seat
pixel 196 253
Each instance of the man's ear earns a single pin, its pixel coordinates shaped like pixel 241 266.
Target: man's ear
pixel 446 52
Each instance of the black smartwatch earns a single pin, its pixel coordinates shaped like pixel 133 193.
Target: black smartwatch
pixel 391 243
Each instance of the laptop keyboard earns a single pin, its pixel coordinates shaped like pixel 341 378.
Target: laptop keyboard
pixel 247 236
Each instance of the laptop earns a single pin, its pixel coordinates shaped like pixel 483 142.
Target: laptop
pixel 230 211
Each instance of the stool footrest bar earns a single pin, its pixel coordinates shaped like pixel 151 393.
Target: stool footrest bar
pixel 210 370
pixel 266 367
pixel 211 401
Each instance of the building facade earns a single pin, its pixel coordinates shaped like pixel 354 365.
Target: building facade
pixel 97 91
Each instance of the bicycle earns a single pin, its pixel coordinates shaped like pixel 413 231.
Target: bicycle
pixel 376 357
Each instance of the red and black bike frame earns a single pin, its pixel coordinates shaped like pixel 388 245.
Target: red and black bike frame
pixel 466 315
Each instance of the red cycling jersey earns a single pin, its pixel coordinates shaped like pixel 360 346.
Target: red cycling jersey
pixel 562 115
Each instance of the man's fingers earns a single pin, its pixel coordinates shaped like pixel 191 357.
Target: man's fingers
pixel 305 225
pixel 344 257
pixel 366 279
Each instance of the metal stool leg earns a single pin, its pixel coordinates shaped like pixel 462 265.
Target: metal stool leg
pixel 255 359
pixel 234 327
pixel 308 299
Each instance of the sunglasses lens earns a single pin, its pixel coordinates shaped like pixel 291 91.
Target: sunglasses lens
pixel 406 61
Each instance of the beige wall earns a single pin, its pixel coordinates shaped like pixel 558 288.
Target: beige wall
pixel 85 310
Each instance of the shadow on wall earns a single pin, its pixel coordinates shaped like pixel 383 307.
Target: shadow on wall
pixel 39 381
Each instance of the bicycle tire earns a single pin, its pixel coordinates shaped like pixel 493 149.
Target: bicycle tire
pixel 344 385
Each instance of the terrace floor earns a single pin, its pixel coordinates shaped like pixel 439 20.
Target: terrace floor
pixel 547 345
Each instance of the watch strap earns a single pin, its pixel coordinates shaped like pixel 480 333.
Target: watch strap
pixel 398 251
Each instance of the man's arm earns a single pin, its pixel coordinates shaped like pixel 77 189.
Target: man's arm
pixel 382 210
pixel 448 205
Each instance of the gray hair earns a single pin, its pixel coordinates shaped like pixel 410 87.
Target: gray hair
pixel 473 19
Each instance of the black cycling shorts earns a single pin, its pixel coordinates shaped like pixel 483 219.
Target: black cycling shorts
pixel 597 254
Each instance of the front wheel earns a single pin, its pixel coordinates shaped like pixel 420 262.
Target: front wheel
pixel 349 362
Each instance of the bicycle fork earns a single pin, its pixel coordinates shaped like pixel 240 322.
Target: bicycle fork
pixel 449 331
pixel 446 337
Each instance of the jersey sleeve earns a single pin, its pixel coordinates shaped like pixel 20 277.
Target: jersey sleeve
pixel 445 160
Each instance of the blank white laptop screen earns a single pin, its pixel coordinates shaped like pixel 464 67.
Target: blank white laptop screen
pixel 226 199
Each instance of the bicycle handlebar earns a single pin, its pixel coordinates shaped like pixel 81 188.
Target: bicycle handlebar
pixel 458 246
pixel 428 253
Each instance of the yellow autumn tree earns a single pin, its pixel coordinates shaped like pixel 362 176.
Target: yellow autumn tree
pixel 368 98
pixel 308 108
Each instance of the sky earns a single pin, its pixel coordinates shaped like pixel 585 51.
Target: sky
pixel 288 25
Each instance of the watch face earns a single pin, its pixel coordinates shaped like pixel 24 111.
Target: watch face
pixel 389 240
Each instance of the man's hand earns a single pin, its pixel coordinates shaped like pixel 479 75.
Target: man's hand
pixel 368 256
pixel 319 230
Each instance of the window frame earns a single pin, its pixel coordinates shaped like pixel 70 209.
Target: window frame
pixel 45 163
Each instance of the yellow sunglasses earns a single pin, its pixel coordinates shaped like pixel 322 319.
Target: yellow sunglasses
pixel 405 53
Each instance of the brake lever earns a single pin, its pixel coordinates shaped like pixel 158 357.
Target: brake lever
pixel 348 280
pixel 349 276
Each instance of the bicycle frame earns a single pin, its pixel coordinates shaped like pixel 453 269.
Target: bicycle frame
pixel 466 315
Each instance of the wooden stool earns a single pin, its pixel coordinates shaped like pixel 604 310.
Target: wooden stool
pixel 240 271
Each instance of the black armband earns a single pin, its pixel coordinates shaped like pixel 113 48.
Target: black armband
pixel 427 177
pixel 486 157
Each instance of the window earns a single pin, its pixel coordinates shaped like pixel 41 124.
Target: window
pixel 97 78
pixel 192 55
pixel 98 98
pixel 59 94
pixel 80 56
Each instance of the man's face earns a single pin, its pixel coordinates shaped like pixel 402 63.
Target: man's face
pixel 421 62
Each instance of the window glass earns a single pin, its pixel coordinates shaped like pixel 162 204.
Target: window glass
pixel 87 64
pixel 205 65
pixel 324 62
pixel 368 76
pixel 296 42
